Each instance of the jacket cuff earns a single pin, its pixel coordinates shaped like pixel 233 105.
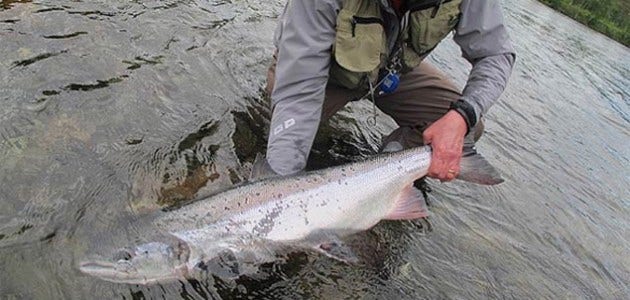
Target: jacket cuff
pixel 467 112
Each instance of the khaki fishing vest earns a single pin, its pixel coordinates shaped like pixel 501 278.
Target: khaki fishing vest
pixel 360 49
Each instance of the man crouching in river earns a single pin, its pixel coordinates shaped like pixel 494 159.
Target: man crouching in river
pixel 330 52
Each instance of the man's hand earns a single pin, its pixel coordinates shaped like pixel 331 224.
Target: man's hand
pixel 446 137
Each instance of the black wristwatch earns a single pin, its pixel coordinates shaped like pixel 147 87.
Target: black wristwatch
pixel 466 111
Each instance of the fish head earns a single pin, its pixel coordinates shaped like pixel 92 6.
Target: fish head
pixel 144 264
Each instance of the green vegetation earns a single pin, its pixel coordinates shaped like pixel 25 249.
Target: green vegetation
pixel 610 17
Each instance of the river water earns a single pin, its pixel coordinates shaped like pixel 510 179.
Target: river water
pixel 111 110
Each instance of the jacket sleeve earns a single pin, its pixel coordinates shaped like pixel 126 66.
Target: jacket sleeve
pixel 304 42
pixel 483 38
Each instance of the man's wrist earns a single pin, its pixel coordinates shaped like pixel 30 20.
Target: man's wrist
pixel 467 112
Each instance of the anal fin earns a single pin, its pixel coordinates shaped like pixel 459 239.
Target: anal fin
pixel 339 251
pixel 409 205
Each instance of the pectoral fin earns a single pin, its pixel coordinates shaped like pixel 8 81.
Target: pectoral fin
pixel 338 251
pixel 261 169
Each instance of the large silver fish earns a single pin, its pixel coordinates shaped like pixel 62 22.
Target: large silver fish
pixel 312 210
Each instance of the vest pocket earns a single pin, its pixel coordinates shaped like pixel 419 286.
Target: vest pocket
pixel 428 26
pixel 359 42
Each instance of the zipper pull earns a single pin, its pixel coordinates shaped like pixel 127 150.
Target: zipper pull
pixel 354 26
pixel 436 9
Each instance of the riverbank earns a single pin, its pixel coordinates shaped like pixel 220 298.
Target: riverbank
pixel 610 17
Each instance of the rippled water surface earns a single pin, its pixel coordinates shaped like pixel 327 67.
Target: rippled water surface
pixel 110 110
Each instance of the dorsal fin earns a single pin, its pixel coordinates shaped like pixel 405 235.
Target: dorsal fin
pixel 261 169
pixel 393 146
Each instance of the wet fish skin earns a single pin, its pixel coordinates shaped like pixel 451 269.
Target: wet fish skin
pixel 250 221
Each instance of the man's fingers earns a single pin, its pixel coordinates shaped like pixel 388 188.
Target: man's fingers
pixel 444 169
pixel 446 136
pixel 451 174
pixel 448 175
pixel 439 169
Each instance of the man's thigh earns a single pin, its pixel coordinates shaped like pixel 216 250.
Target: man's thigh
pixel 423 96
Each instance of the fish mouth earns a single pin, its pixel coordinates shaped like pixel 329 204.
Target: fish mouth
pixel 147 264
pixel 125 272
pixel 109 270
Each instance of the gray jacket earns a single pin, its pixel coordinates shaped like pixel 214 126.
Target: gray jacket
pixel 304 39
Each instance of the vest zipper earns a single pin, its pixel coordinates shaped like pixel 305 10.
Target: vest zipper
pixel 364 20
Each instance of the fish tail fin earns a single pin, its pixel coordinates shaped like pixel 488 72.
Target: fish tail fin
pixel 409 205
pixel 476 169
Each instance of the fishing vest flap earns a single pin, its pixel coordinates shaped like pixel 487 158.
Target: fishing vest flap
pixel 360 44
pixel 430 22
